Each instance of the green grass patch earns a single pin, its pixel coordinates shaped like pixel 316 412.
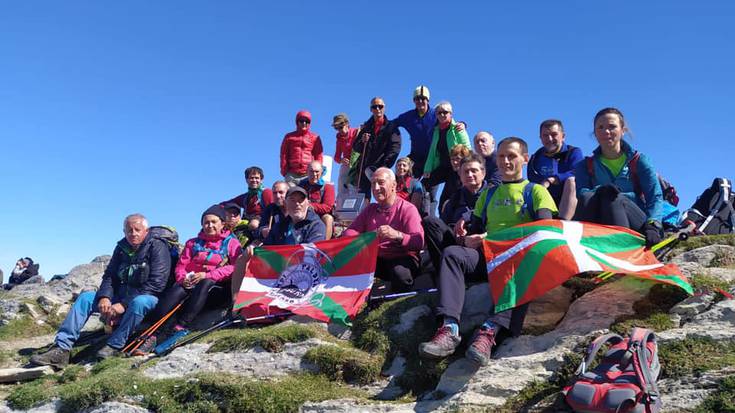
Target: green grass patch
pixel 722 401
pixel 23 327
pixel 372 333
pixel 694 356
pixel 271 338
pixel 349 365
pixel 113 380
pixel 702 241
pixel 651 311
pixel 708 283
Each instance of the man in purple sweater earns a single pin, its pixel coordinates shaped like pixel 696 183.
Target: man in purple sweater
pixel 399 229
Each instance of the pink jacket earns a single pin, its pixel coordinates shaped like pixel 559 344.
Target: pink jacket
pixel 201 254
pixel 402 216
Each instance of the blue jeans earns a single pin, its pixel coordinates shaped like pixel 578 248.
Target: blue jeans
pixel 87 303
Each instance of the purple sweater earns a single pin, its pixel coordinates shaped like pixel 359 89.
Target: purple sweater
pixel 401 216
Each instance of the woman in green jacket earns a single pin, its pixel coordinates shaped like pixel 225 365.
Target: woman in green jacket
pixel 438 166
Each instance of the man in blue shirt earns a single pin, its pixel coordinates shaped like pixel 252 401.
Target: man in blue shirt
pixel 553 167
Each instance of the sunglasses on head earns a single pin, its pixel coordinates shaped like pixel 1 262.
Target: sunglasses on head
pixel 303 120
pixel 377 106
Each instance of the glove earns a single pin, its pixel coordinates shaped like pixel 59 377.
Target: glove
pixel 654 233
pixel 609 190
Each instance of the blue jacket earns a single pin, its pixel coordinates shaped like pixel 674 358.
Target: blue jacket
pixel 420 129
pixel 652 201
pixel 284 232
pixel 560 165
pixel 130 273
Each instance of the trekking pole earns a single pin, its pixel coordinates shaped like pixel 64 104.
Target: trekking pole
pixel 659 250
pixel 149 331
pixel 362 160
pixel 399 295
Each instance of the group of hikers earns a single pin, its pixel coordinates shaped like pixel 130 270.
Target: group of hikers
pixel 484 191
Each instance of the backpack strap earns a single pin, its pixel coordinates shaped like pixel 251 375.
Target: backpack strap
pixel 528 201
pixel 590 163
pixel 488 196
pixel 633 167
pixel 594 347
pixel 639 337
pixel 222 251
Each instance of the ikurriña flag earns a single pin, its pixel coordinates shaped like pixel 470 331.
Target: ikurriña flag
pixel 527 260
pixel 326 280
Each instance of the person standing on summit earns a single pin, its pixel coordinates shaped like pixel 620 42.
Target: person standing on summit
pixel 298 149
pixel 419 123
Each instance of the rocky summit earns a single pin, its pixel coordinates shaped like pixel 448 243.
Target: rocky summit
pixel 298 365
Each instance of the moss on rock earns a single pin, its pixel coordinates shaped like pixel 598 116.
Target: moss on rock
pixel 349 365
pixel 694 356
pixel 271 338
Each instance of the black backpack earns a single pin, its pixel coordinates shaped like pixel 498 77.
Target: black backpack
pixel 171 238
pixel 713 212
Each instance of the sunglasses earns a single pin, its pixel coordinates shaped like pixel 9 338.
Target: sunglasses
pixel 338 127
pixel 302 120
pixel 420 98
pixel 443 112
pixel 377 107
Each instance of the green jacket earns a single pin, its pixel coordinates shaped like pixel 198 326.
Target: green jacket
pixel 453 138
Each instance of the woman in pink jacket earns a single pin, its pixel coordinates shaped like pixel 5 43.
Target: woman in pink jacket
pixel 203 274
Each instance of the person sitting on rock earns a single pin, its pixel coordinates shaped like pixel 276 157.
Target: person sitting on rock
pixel 408 188
pixel 255 199
pixel 203 274
pixel 553 167
pixel 608 190
pixel 440 231
pixel 321 195
pixel 25 272
pixel 275 212
pixel 400 235
pixel 133 280
pixel 301 226
pixel 235 224
pixel 460 264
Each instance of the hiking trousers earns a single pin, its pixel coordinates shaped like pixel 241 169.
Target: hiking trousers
pixel 400 271
pixel 438 236
pixel 87 303
pixel 204 292
pixel 458 266
pixel 608 210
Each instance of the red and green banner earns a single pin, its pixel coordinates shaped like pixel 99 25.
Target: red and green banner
pixel 327 280
pixel 527 260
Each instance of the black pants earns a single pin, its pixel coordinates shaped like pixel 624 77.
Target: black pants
pixel 205 292
pixel 400 272
pixel 460 265
pixel 438 236
pixel 605 209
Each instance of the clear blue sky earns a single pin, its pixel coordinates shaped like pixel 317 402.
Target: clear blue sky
pixel 109 108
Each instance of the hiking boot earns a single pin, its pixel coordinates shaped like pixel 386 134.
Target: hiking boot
pixel 107 352
pixel 147 347
pixel 482 344
pixel 56 357
pixel 441 345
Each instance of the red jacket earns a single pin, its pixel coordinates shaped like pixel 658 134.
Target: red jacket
pixel 322 203
pixel 299 148
pixel 252 203
pixel 344 145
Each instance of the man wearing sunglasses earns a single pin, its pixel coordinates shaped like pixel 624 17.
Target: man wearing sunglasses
pixel 298 149
pixel 377 145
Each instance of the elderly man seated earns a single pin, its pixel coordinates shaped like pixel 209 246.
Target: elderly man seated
pixel 302 225
pixel 320 193
pixel 400 234
pixel 136 275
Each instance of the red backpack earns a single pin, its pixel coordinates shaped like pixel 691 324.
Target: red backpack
pixel 625 379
